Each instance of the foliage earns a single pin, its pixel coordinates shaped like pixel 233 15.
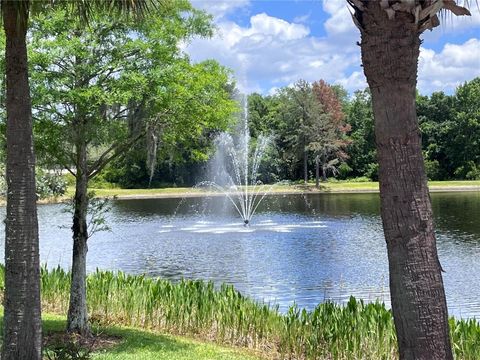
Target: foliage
pixel 361 150
pixel 97 211
pixel 356 330
pixel 450 127
pixel 115 81
pixel 50 184
pixel 432 169
pixel 307 124
pixel 344 170
pixel 67 348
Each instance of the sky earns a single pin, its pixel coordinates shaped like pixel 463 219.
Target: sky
pixel 273 43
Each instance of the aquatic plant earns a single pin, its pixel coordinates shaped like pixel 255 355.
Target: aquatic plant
pixel 356 330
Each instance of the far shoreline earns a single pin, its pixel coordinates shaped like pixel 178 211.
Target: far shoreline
pixel 334 187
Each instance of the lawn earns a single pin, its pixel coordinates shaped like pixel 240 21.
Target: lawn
pixel 135 344
pixel 327 187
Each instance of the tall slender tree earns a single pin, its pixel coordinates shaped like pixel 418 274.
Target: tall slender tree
pixel 139 81
pixel 22 325
pixel 390 46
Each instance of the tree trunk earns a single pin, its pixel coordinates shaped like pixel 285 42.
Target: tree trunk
pixel 324 174
pixel 22 311
pixel 305 165
pixel 317 172
pixel 77 320
pixel 390 50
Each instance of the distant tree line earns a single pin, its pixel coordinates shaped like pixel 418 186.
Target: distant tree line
pixel 319 131
pixel 339 130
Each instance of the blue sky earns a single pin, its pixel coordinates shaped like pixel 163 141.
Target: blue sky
pixel 273 43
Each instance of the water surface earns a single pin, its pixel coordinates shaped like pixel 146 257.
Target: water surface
pixel 302 249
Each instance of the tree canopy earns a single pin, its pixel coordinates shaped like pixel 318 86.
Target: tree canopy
pixel 116 80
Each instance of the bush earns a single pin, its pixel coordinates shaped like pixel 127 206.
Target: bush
pixel 432 168
pixel 50 185
pixel 67 347
pixel 344 170
pixel 372 171
pixel 473 172
pixel 469 171
pixel 101 182
pixel 47 184
pixel 360 179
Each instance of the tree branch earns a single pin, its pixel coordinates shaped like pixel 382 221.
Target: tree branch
pixel 111 153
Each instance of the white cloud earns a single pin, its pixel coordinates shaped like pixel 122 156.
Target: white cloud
pixel 267 25
pixel 456 23
pixel 340 21
pixel 455 64
pixel 355 81
pixel 302 18
pixel 271 52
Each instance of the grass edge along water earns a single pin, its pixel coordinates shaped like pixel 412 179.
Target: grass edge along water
pixel 197 308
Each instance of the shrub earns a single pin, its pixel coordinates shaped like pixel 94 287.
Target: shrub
pixel 432 168
pixel 50 185
pixel 372 171
pixel 344 170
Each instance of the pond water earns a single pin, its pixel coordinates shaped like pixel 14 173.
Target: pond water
pixel 302 249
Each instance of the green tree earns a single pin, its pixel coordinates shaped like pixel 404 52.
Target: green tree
pixel 361 150
pixel 98 90
pixel 390 46
pixel 263 118
pixel 201 108
pixel 299 111
pixel 463 142
pixel 22 314
pixel 436 120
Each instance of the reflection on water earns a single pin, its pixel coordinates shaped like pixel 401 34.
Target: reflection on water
pixel 302 249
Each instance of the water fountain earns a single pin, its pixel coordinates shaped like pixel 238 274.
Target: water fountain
pixel 235 169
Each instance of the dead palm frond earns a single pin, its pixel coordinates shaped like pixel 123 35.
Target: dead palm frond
pixel 424 14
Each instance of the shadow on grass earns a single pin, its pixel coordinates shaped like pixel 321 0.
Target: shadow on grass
pixel 139 344
pixel 132 340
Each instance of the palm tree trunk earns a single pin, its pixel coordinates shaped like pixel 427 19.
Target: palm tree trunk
pixel 390 50
pixel 77 319
pixel 22 321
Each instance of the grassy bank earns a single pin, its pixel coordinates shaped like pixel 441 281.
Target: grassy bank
pixel 332 186
pixel 197 309
pixel 328 187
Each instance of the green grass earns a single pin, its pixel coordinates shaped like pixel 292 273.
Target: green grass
pixel 136 344
pixel 222 315
pixel 331 186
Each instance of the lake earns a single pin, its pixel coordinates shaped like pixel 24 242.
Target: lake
pixel 301 249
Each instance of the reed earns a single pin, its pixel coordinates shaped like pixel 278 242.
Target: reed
pixel 357 330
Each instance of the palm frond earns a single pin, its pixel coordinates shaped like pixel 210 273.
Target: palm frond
pixel 85 9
